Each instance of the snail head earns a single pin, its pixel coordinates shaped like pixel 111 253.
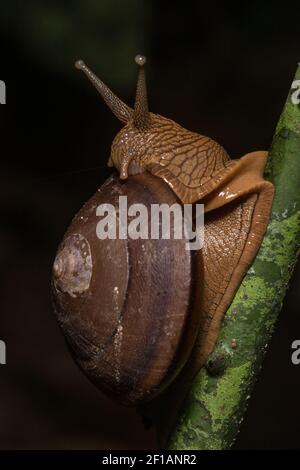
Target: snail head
pixel 143 133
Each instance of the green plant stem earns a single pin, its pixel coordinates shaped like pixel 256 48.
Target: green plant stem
pixel 214 408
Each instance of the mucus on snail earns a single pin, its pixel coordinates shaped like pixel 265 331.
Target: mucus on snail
pixel 138 313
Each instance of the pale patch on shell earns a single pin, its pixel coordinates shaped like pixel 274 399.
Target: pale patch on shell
pixel 72 269
pixel 118 338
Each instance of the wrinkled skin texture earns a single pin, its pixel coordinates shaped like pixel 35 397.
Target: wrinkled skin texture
pixel 189 156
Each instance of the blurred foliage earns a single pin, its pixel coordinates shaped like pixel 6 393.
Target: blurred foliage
pixel 107 34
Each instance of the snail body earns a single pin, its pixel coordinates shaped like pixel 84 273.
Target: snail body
pixel 135 312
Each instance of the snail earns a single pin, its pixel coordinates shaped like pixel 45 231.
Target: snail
pixel 134 312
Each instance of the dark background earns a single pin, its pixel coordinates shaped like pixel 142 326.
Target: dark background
pixel 222 69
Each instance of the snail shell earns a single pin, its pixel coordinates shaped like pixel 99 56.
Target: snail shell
pixel 127 307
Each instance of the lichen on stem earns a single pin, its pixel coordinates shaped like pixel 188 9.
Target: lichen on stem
pixel 215 405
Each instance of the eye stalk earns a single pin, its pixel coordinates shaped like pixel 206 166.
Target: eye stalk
pixel 117 106
pixel 141 116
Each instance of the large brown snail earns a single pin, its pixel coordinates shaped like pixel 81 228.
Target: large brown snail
pixel 133 311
